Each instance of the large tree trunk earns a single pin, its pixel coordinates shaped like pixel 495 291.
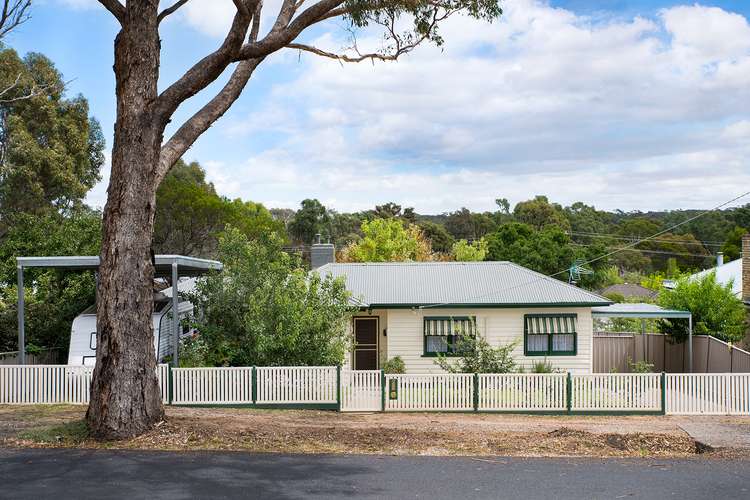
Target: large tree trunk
pixel 125 397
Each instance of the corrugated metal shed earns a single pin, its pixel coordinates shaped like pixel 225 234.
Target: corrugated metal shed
pixel 459 284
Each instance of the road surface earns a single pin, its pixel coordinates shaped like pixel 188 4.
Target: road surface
pixel 99 474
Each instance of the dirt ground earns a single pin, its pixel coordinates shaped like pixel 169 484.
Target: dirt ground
pixel 310 431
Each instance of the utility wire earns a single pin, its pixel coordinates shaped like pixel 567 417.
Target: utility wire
pixel 659 240
pixel 603 256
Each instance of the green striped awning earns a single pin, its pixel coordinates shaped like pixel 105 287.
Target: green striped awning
pixel 448 326
pixel 538 325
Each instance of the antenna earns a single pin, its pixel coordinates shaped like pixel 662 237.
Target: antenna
pixel 578 269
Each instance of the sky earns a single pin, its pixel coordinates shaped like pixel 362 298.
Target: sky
pixel 632 105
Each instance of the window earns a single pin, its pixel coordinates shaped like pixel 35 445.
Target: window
pixel 441 334
pixel 92 341
pixel 550 335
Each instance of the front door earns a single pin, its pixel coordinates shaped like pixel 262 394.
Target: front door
pixel 365 343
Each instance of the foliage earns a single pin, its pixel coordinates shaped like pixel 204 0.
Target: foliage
pixel 539 213
pixel 264 309
pixel 388 240
pixel 464 224
pixel 478 356
pixel 190 215
pixel 640 366
pixel 440 239
pixel 464 251
pixel 716 310
pixel 51 151
pixel 311 219
pixel 53 297
pixel 732 247
pixel 548 251
pixel 542 367
pixel 194 352
pixel 395 366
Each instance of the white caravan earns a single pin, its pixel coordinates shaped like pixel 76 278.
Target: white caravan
pixel 83 332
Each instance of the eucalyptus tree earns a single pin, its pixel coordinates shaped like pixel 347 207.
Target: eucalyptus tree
pixel 125 398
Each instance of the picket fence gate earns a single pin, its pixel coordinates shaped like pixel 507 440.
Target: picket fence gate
pixel 329 387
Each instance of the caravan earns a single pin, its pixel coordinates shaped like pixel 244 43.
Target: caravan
pixel 83 332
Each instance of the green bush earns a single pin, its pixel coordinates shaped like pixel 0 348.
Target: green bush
pixel 640 366
pixel 716 310
pixel 395 366
pixel 478 356
pixel 542 367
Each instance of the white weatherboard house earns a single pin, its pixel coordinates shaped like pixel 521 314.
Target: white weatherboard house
pixel 414 309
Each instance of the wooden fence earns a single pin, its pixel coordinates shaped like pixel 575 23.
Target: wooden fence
pixel 56 384
pixel 331 388
pixel 44 357
pixel 710 355
pixel 522 392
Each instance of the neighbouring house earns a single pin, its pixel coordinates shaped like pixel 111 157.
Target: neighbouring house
pixel 630 292
pixel 736 272
pixel 415 310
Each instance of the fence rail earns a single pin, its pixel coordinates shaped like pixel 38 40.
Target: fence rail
pixel 329 387
pixel 450 392
pixel 522 392
pixel 615 392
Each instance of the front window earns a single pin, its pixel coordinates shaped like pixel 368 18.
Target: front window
pixel 550 334
pixel 442 334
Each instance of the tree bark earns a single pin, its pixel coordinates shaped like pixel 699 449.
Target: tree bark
pixel 125 395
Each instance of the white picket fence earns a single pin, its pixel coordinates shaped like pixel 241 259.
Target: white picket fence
pixel 56 384
pixel 527 392
pixel 326 387
pixel 444 392
pixel 616 392
pixel 708 394
pixel 297 385
pixel 212 385
pixel 361 390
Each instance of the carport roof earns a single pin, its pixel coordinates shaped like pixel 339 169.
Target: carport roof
pixel 188 266
pixel 639 310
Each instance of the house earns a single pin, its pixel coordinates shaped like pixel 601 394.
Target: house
pixel 415 310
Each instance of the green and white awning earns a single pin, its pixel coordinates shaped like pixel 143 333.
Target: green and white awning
pixel 449 326
pixel 542 325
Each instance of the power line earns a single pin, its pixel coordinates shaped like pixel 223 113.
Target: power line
pixel 661 252
pixel 606 255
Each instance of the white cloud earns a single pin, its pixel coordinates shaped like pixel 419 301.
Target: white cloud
pixel 625 113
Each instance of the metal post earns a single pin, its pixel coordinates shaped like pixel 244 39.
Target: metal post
pixel 569 393
pixel 21 326
pixel 663 393
pixel 690 344
pixel 175 317
pixel 475 384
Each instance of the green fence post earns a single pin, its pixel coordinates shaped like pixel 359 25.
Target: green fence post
pixel 663 393
pixel 338 388
pixel 476 392
pixel 254 381
pixel 382 390
pixel 169 384
pixel 569 393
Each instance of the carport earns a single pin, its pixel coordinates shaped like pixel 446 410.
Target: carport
pixel 165 266
pixel 645 311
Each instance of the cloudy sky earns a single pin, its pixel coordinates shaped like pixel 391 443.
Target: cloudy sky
pixel 630 104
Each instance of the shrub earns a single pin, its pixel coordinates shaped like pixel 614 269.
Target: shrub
pixel 543 367
pixel 395 366
pixel 640 366
pixel 478 356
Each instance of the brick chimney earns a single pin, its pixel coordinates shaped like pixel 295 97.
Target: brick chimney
pixel 746 267
pixel 321 253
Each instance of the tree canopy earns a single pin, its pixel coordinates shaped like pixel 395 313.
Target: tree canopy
pixel 388 240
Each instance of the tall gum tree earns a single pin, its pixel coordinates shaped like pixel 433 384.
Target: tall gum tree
pixel 125 399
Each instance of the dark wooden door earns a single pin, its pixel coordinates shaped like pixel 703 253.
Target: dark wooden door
pixel 365 343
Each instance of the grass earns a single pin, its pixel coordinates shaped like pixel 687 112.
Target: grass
pixel 67 434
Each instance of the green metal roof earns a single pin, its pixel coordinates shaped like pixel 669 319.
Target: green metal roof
pixel 456 284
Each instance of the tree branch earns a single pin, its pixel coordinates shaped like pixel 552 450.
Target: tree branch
pixel 14 14
pixel 208 69
pixel 343 57
pixel 171 9
pixel 189 132
pixel 115 8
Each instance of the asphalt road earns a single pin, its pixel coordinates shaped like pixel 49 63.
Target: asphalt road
pixel 84 474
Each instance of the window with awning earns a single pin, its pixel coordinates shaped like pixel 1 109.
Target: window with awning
pixel 442 334
pixel 550 334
